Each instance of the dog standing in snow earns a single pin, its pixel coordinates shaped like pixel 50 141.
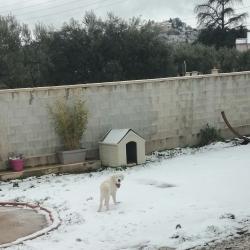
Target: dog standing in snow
pixel 108 188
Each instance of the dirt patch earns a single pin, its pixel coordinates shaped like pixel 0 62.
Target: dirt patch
pixel 19 222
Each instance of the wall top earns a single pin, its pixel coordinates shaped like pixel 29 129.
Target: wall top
pixel 89 85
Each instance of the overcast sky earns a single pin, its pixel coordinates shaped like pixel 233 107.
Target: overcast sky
pixel 58 11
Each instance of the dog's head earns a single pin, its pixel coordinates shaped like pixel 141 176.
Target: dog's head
pixel 117 179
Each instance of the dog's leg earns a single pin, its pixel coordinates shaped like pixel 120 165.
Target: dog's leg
pixel 101 202
pixel 114 197
pixel 107 201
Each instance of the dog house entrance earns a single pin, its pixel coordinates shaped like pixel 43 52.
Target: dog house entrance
pixel 131 151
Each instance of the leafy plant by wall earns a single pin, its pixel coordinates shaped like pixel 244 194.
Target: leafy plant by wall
pixel 208 135
pixel 70 121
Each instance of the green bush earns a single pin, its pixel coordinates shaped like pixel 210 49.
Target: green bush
pixel 209 135
pixel 70 122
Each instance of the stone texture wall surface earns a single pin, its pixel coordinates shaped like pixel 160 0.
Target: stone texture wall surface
pixel 167 112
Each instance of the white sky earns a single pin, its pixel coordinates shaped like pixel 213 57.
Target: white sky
pixel 58 11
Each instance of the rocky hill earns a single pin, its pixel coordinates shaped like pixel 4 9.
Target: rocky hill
pixel 174 30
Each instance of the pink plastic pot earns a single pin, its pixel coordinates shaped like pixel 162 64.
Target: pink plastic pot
pixel 17 164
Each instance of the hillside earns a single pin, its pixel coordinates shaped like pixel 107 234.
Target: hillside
pixel 174 30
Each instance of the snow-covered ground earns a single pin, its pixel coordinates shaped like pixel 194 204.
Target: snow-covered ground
pixel 193 188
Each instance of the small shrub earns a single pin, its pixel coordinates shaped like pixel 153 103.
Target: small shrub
pixel 209 135
pixel 70 122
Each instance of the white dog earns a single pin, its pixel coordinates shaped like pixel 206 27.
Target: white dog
pixel 108 188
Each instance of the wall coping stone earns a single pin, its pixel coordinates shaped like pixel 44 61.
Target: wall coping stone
pixel 91 85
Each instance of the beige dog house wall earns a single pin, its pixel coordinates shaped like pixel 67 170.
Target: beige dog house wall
pixel 122 147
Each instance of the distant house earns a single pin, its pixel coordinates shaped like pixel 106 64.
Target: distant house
pixel 164 26
pixel 243 44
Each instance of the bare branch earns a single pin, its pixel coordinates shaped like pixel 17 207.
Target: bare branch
pixel 237 19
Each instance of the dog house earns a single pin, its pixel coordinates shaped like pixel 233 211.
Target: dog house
pixel 122 147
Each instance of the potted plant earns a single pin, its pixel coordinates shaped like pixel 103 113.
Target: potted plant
pixel 16 162
pixel 70 120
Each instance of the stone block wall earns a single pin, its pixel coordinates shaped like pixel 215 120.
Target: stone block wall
pixel 167 112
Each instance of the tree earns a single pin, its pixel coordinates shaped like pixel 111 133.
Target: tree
pixel 197 57
pixel 221 38
pixel 177 23
pixel 219 23
pixel 229 60
pixel 219 14
pixel 13 37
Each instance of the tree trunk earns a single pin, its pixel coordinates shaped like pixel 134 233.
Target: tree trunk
pixel 223 16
